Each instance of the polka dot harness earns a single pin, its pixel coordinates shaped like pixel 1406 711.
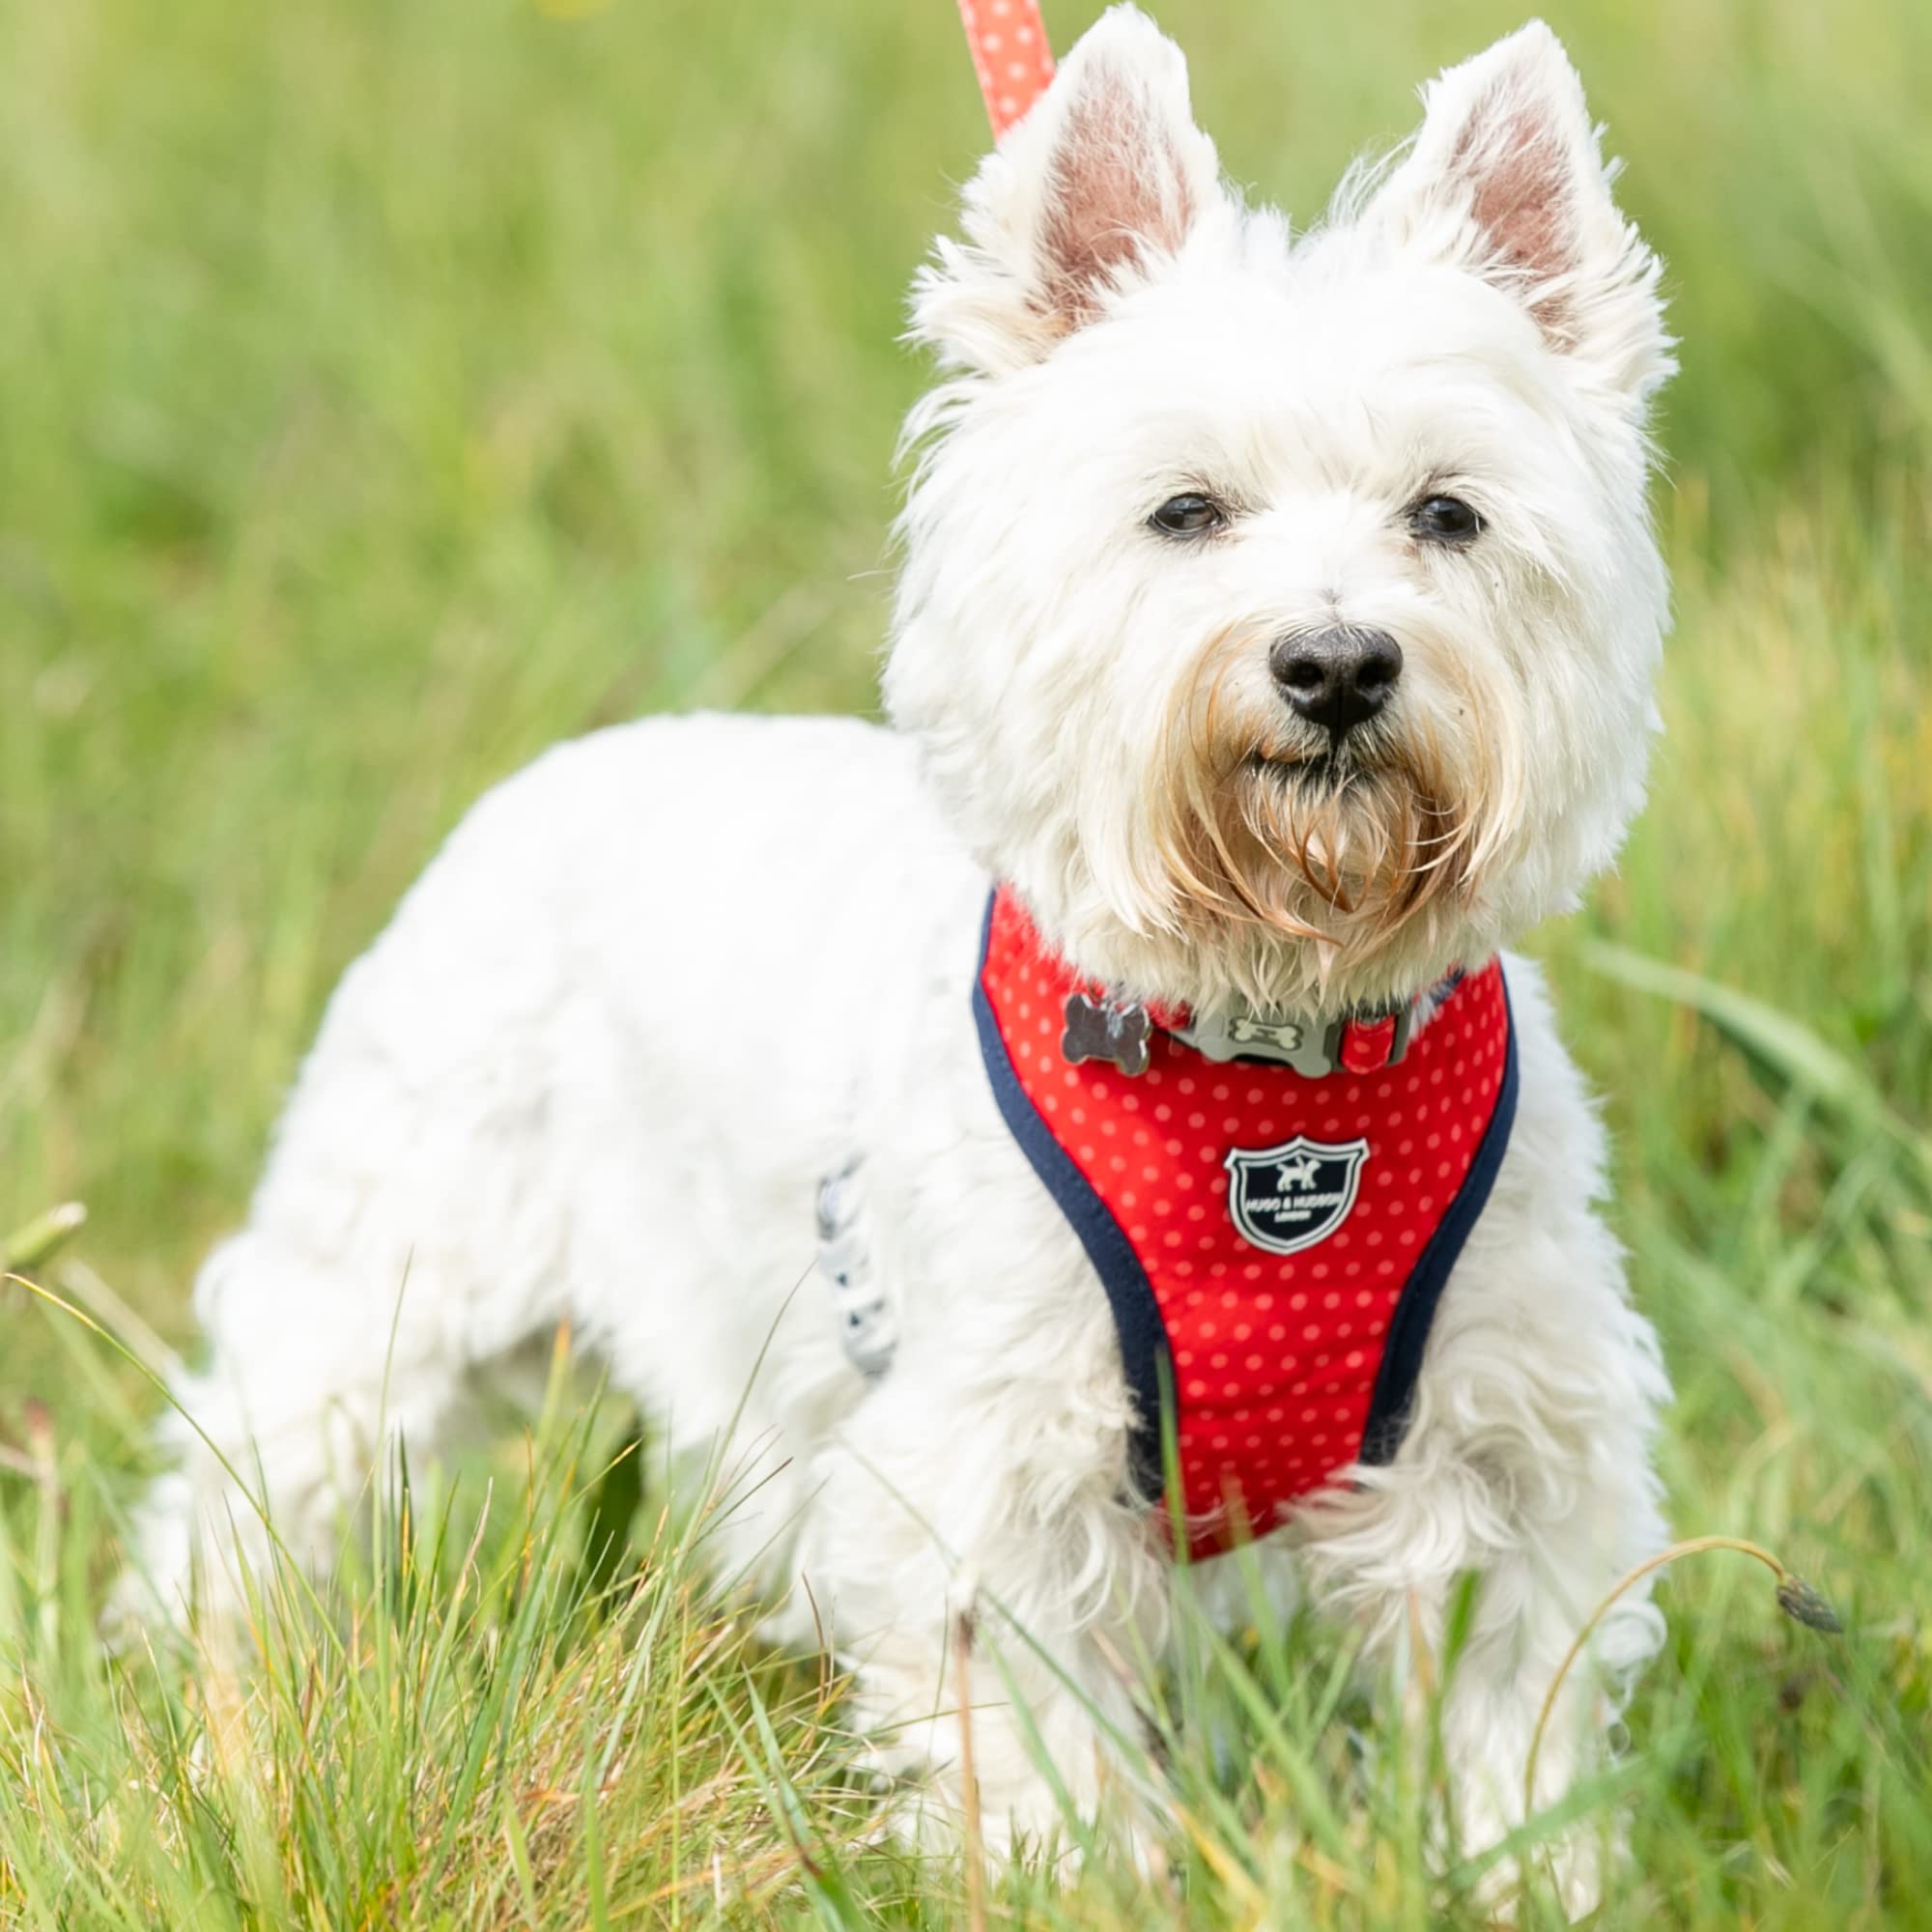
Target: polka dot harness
pixel 1274 1244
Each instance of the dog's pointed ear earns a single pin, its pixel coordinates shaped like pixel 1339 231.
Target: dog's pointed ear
pixel 1507 177
pixel 1102 183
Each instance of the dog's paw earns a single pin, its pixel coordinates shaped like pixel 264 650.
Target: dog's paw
pixel 1571 1867
pixel 1022 1823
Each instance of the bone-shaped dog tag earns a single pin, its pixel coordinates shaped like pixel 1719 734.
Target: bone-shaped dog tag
pixel 1285 1037
pixel 1096 1032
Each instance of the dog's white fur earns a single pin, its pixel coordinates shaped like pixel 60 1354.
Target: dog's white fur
pixel 661 982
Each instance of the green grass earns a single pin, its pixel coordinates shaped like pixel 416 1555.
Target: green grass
pixel 392 388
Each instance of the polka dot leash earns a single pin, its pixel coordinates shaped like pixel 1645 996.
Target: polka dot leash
pixel 1007 42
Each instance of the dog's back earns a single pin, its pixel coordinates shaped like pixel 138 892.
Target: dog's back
pixel 592 1068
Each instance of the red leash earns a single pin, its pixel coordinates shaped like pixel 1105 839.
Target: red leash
pixel 1007 41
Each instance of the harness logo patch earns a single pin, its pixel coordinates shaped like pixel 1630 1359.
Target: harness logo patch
pixel 1286 1198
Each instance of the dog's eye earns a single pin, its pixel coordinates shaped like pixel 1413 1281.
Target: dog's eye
pixel 1188 516
pixel 1445 520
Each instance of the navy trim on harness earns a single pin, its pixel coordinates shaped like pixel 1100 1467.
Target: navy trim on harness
pixel 1415 1307
pixel 1136 1313
pixel 1143 1334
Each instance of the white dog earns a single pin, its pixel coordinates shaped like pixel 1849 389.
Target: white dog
pixel 1276 629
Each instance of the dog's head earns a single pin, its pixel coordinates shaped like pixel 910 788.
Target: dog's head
pixel 1281 616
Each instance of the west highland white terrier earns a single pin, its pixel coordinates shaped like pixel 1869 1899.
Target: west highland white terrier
pixel 1125 1030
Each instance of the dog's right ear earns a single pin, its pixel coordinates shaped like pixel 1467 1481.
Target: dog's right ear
pixel 1100 184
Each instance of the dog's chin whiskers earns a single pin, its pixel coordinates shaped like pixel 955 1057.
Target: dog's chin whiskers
pixel 1320 856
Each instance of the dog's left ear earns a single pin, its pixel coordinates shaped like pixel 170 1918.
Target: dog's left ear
pixel 1102 183
pixel 1507 177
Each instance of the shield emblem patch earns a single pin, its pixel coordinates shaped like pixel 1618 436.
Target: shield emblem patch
pixel 1287 1198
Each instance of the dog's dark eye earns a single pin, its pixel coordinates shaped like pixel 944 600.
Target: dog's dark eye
pixel 1188 516
pixel 1445 520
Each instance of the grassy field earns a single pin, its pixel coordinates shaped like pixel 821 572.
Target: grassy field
pixel 392 387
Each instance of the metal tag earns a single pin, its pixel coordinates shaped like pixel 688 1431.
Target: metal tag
pixel 1096 1032
pixel 1240 1035
pixel 1313 1051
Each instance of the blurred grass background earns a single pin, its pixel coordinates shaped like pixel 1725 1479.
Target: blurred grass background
pixel 394 386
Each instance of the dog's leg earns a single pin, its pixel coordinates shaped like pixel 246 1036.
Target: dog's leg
pixel 308 1387
pixel 1533 1600
pixel 405 1236
pixel 1526 1468
pixel 938 1503
pixel 1526 1464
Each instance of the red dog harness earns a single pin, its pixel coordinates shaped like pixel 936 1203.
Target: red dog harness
pixel 1273 1246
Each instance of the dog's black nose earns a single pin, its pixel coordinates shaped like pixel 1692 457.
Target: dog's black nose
pixel 1336 679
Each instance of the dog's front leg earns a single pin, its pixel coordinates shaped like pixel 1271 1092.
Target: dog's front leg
pixel 1540 1508
pixel 999 1503
pixel 1533 1596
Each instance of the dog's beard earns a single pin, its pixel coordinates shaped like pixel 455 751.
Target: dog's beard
pixel 1320 864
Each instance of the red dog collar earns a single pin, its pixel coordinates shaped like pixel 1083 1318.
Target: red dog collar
pixel 1098 1028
